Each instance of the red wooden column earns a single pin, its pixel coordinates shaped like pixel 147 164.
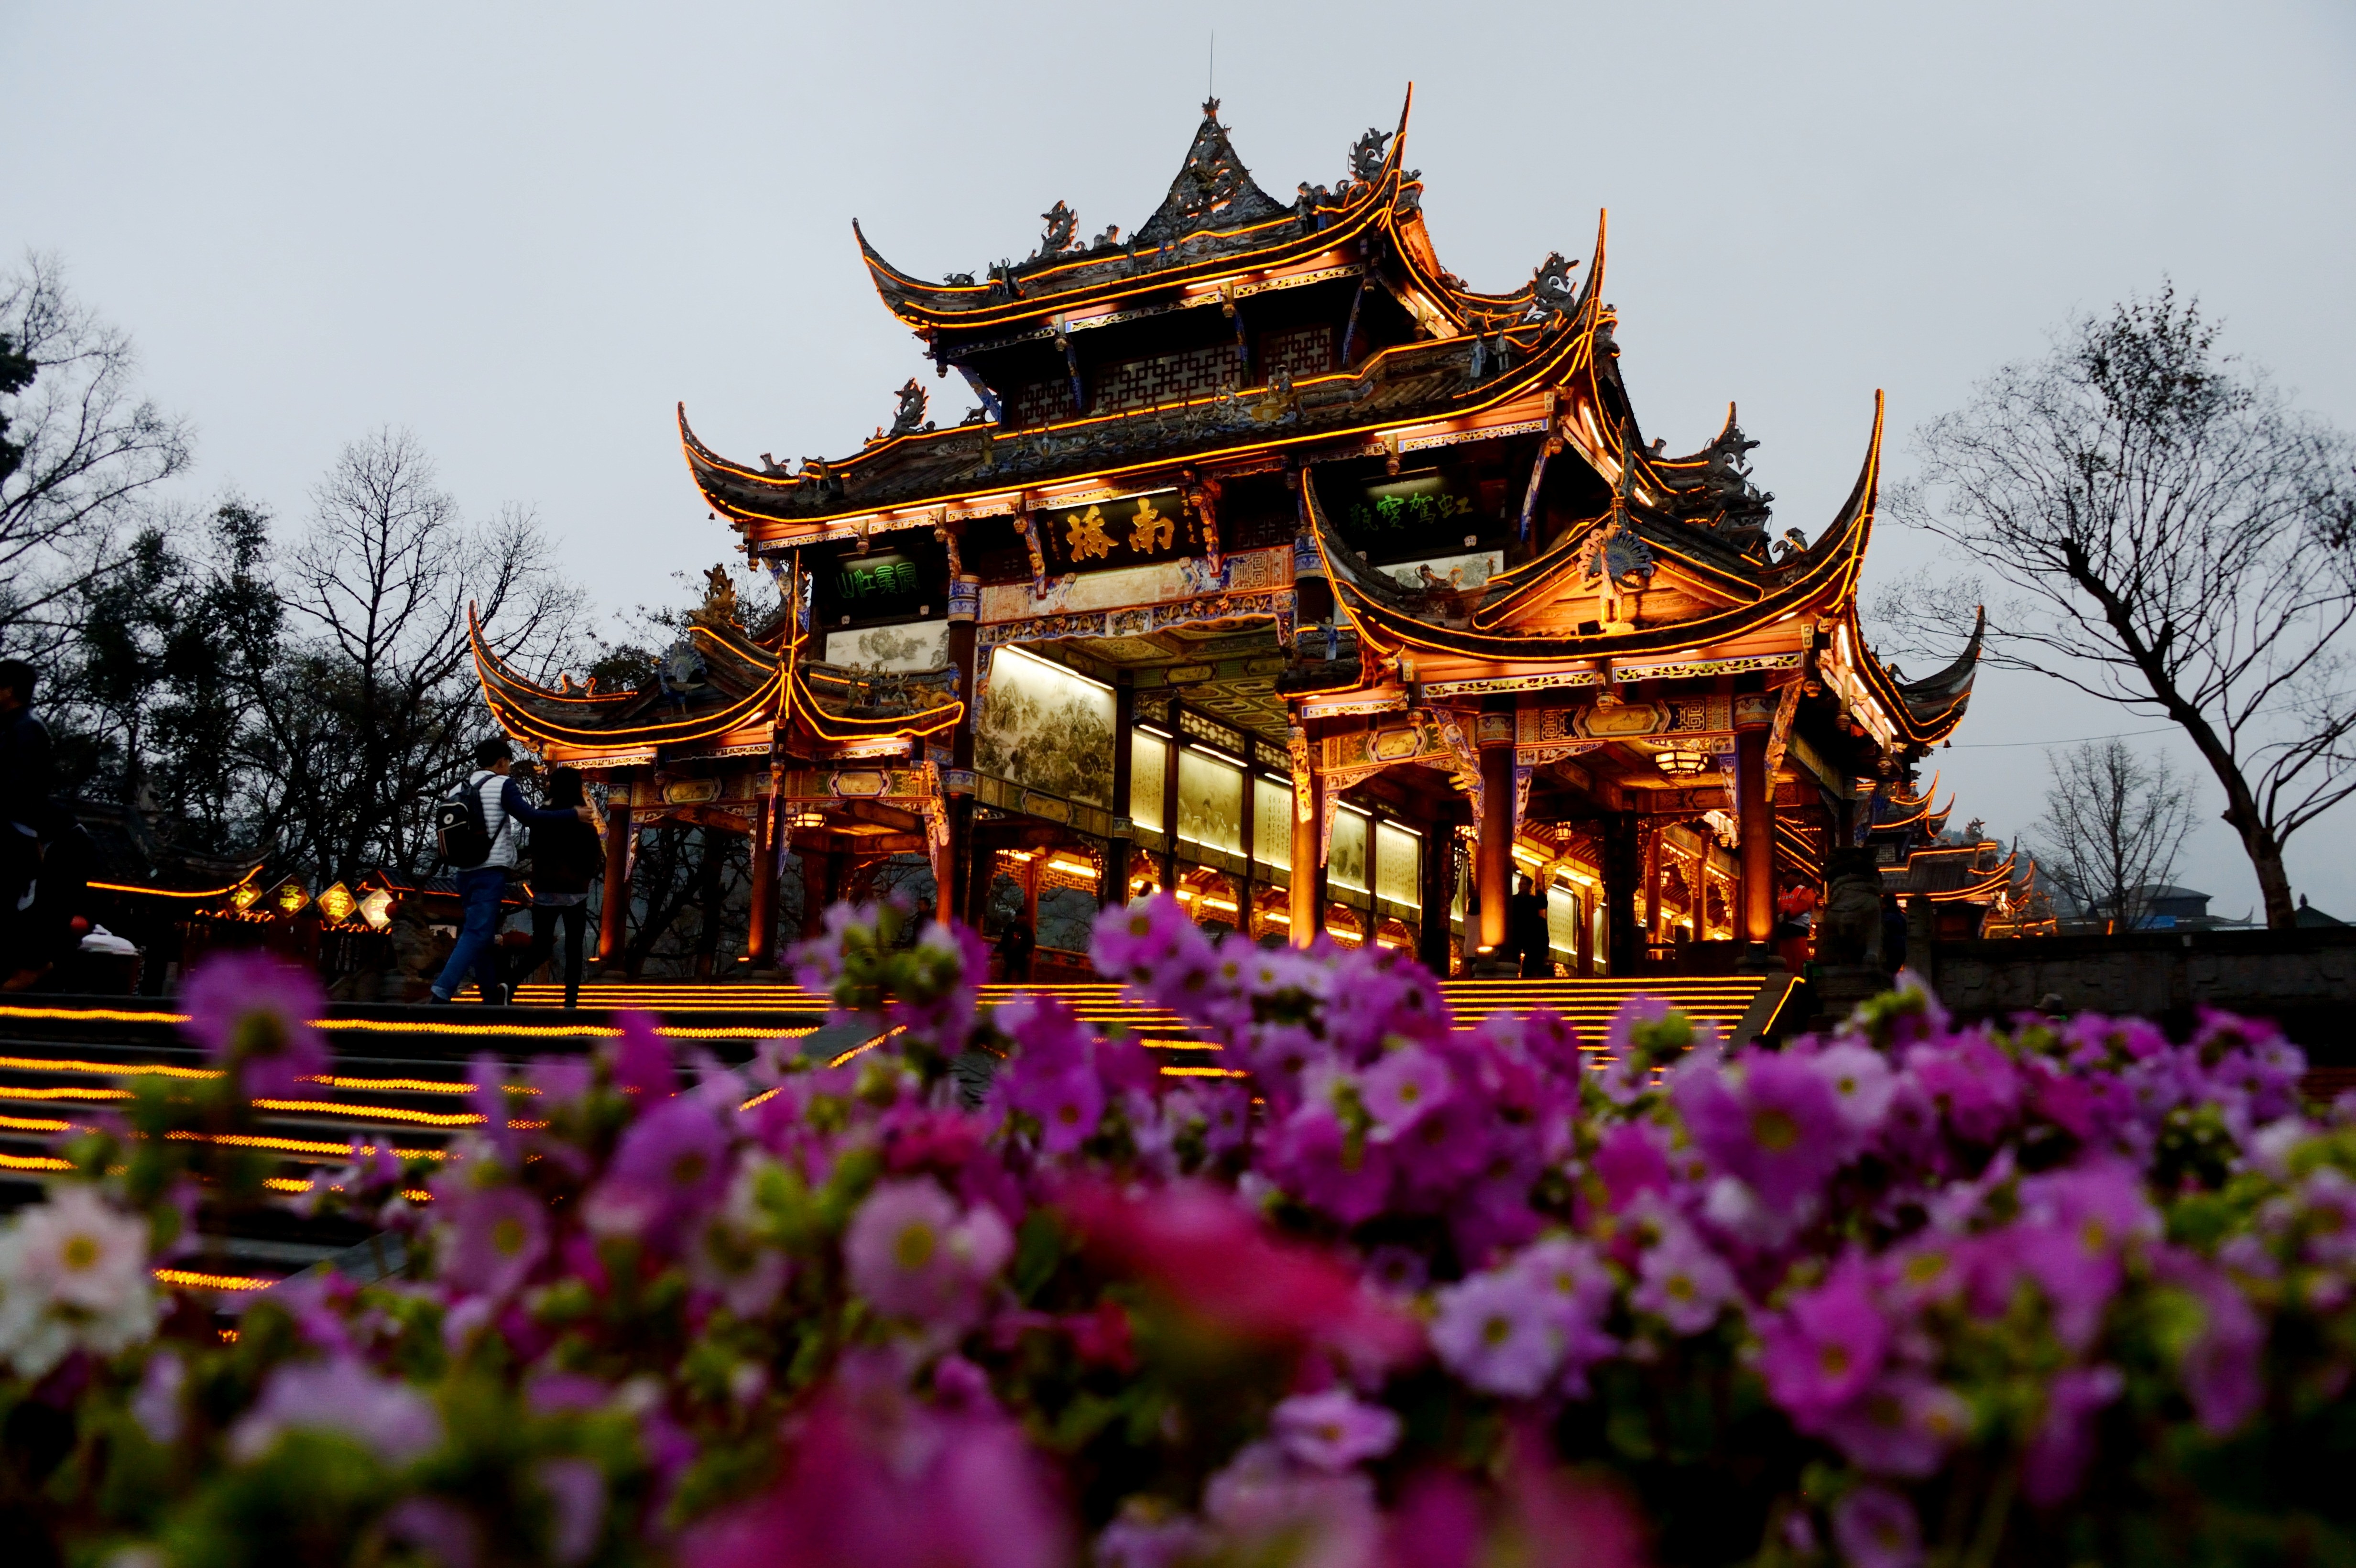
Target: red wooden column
pixel 1757 820
pixel 615 910
pixel 953 866
pixel 1492 845
pixel 1306 893
pixel 760 945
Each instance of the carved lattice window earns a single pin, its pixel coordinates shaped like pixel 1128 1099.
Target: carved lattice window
pixel 1297 351
pixel 1166 379
pixel 1041 402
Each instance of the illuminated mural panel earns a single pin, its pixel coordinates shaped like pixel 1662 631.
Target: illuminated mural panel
pixel 1046 727
pixel 1210 803
pixel 923 645
pixel 1398 864
pixel 1345 863
pixel 1271 824
pixel 1148 763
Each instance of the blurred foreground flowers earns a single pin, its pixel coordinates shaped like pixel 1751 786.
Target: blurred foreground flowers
pixel 998 1292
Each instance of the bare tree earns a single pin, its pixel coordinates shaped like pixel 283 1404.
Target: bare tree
pixel 2113 825
pixel 77 446
pixel 2168 534
pixel 377 706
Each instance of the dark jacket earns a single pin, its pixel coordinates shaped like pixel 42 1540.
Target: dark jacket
pixel 566 857
pixel 26 771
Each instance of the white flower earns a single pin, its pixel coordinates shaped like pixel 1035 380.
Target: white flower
pixel 73 1273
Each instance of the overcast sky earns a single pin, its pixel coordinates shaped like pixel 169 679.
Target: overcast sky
pixel 527 232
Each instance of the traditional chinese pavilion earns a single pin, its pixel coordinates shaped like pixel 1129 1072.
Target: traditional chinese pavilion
pixel 1276 566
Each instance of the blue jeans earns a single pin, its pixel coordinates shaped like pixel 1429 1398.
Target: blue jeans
pixel 480 891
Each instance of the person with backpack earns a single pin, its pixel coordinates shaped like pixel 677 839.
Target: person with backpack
pixel 566 858
pixel 479 832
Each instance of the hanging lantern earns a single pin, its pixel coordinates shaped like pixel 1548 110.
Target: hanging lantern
pixel 289 896
pixel 376 908
pixel 1679 764
pixel 337 903
pixel 810 816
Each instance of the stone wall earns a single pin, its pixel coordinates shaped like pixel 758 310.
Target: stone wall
pixel 2305 980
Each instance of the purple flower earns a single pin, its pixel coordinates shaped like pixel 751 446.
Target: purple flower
pixel 1632 1160
pixel 1140 1537
pixel 1402 1088
pixel 156 1405
pixel 1333 1431
pixel 671 1166
pixel 911 1253
pixel 643 1063
pixel 1861 1082
pixel 1500 1331
pixel 575 1490
pixel 391 1419
pixel 1152 941
pixel 492 1236
pixel 254 1016
pixel 1876 1528
pixel 1318 1161
pixel 1771 1120
pixel 1682 1282
pixel 2218 1359
pixel 2073 1224
pixel 1578 1289
pixel 1822 1350
pixel 2058 1455
pixel 1902 1426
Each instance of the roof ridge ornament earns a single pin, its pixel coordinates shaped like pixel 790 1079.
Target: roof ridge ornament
pixel 1214 189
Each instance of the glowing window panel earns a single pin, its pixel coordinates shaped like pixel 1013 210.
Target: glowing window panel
pixel 1210 803
pixel 1272 825
pixel 1398 864
pixel 1149 761
pixel 1346 862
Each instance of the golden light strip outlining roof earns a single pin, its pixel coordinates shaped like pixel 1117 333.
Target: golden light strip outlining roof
pixel 529 727
pixel 1379 195
pixel 1832 579
pixel 832 727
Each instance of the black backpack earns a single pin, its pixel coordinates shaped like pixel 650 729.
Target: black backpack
pixel 459 825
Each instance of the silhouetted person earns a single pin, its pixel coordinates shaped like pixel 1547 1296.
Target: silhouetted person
pixel 566 855
pixel 484 882
pixel 26 819
pixel 1526 930
pixel 1016 942
pixel 1893 934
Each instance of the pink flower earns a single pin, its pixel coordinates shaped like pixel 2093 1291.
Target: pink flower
pixel 254 1016
pixel 1333 1431
pixel 1153 943
pixel 2058 1456
pixel 911 1253
pixel 341 1396
pixel 1822 1350
pixel 1402 1088
pixel 1682 1282
pixel 1500 1331
pixel 1270 1510
pixel 1771 1120
pixel 878 1479
pixel 1876 1528
pixel 492 1237
pixel 1212 1257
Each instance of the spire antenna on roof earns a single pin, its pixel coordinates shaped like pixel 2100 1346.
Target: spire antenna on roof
pixel 1211 70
